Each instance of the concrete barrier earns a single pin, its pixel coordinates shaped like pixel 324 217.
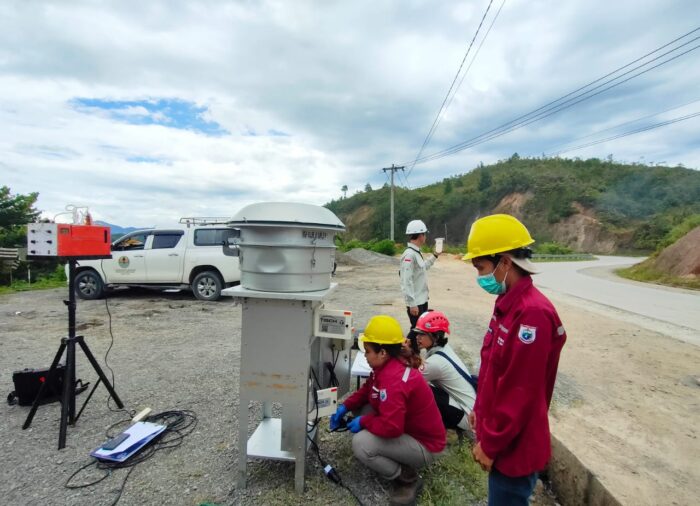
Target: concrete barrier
pixel 573 483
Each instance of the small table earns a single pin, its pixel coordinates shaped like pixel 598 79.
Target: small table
pixel 360 368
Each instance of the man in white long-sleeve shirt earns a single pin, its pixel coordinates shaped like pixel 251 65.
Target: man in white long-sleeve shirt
pixel 414 283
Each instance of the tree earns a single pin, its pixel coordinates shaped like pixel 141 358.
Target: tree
pixel 448 186
pixel 344 189
pixel 15 212
pixel 484 180
pixel 368 187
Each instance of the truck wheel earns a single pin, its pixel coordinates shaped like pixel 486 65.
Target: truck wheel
pixel 88 285
pixel 207 285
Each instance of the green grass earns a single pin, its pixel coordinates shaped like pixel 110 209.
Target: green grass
pixel 455 478
pixel 644 272
pixel 55 280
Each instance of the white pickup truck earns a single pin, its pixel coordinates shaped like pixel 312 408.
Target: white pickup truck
pixel 175 258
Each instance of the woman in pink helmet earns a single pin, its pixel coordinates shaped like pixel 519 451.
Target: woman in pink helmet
pixel 452 384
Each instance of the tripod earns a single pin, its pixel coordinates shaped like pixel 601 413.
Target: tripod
pixel 68 415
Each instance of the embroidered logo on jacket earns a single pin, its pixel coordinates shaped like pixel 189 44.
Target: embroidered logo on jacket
pixel 500 341
pixel 527 334
pixel 382 394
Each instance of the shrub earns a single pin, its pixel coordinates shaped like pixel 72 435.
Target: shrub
pixel 552 248
pixel 385 247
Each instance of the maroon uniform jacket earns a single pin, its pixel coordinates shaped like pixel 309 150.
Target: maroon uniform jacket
pixel 403 404
pixel 519 359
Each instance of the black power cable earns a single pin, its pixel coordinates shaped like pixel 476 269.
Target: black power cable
pixel 111 371
pixel 328 469
pixel 178 425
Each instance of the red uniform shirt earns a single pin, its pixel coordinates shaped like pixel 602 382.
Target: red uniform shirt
pixel 403 404
pixel 519 360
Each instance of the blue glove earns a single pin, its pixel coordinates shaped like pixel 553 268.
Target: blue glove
pixel 354 425
pixel 337 417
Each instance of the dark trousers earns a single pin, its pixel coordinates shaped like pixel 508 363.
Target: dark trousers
pixel 507 491
pixel 414 319
pixel 450 414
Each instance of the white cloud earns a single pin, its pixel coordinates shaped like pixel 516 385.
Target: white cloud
pixel 355 85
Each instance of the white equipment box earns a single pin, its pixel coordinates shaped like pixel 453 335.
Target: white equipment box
pixel 333 323
pixel 327 401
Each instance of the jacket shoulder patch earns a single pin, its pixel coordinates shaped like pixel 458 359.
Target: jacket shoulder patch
pixel 527 334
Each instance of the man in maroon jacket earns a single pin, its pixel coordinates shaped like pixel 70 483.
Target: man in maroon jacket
pixel 519 359
pixel 399 428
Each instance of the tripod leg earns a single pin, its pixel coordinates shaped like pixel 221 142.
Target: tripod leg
pixel 97 383
pixel 49 379
pixel 100 372
pixel 68 395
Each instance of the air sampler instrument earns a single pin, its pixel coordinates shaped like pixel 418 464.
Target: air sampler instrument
pixel 294 351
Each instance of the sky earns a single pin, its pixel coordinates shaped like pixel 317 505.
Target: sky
pixel 150 111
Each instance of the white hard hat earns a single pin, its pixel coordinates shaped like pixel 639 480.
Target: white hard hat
pixel 416 227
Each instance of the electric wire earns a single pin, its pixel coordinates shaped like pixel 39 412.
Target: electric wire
pixel 431 131
pixel 336 478
pixel 571 141
pixel 626 134
pixel 476 53
pixel 111 371
pixel 499 131
pixel 550 108
pixel 178 425
pixel 459 85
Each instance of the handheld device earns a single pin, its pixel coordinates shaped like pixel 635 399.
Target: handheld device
pixel 115 441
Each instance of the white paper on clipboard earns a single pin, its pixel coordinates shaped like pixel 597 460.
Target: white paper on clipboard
pixel 140 434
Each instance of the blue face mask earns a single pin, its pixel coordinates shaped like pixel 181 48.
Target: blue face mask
pixel 489 283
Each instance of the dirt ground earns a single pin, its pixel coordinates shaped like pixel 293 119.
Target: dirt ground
pixel 627 400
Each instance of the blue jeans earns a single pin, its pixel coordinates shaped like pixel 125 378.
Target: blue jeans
pixel 507 491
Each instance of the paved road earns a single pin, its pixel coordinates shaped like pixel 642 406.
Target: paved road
pixel 673 311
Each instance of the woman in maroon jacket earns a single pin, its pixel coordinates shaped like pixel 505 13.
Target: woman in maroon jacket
pixel 519 359
pixel 398 428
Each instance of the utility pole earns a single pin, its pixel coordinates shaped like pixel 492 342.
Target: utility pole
pixel 392 169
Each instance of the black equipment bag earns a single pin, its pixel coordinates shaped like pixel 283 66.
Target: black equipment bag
pixel 28 382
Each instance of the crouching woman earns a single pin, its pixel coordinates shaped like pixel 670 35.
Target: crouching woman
pixel 449 378
pixel 398 429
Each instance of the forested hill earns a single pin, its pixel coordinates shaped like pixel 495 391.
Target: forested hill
pixel 589 205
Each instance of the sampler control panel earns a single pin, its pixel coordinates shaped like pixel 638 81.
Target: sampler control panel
pixel 333 323
pixel 63 240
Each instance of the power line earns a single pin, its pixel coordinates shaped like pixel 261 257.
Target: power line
pixel 459 85
pixel 550 109
pixel 442 106
pixel 625 134
pixel 623 124
pixel 476 53
pixel 505 129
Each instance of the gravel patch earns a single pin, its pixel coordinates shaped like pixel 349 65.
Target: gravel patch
pixel 172 351
pixel 361 256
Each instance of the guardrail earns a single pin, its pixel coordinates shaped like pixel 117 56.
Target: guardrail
pixel 573 257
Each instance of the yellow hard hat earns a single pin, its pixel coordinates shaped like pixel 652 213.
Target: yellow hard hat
pixel 494 234
pixel 382 329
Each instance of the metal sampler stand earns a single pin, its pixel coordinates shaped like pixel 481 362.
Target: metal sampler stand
pixel 271 373
pixel 280 248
